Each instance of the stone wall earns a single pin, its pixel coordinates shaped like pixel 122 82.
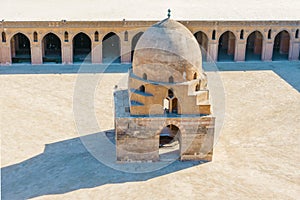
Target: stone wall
pixel 150 102
pixel 134 27
pixel 137 139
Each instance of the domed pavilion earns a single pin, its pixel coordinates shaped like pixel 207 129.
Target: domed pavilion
pixel 166 112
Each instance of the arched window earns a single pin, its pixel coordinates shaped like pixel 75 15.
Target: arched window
pixel 166 105
pixel 269 34
pixel 145 76
pixel 126 36
pixel 195 75
pixel 35 36
pixel 175 105
pixel 142 88
pixel 170 93
pixel 297 33
pixel 213 35
pixel 96 36
pixel 3 37
pixel 197 88
pixel 242 35
pixel 66 36
pixel 171 79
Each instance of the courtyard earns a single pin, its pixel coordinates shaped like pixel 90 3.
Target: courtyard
pixel 256 155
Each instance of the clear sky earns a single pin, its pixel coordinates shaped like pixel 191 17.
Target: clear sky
pixel 46 10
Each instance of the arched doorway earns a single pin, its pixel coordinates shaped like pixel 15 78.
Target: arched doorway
pixel 254 46
pixel 202 40
pixel 169 143
pixel 281 46
pixel 226 48
pixel 82 48
pixel 134 41
pixel 142 88
pixel 20 49
pixel 170 103
pixel 51 48
pixel 111 48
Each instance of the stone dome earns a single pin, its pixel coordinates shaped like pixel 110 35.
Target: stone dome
pixel 167 50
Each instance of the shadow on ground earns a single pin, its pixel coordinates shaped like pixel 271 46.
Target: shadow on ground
pixel 64 69
pixel 287 70
pixel 67 166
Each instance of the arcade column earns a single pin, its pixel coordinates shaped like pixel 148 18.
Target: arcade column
pixel 212 51
pixel 67 53
pixel 294 50
pixel 125 51
pixel 6 53
pixel 97 52
pixel 240 51
pixel 36 54
pixel 267 51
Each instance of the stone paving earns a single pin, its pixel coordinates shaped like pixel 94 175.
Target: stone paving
pixel 256 155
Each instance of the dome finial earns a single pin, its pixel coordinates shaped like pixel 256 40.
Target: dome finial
pixel 169 13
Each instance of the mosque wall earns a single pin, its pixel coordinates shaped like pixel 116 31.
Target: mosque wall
pixel 126 30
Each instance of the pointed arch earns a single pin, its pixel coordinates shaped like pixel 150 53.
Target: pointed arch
pixel 269 34
pixel 3 36
pixel 96 36
pixel 145 76
pixel 134 42
pixel 202 40
pixel 170 93
pixel 281 46
pixel 82 46
pixel 111 48
pixel 20 48
pixel 126 36
pixel 35 36
pixel 226 47
pixel 197 88
pixel 51 48
pixel 195 76
pixel 242 34
pixel 142 88
pixel 169 138
pixel 66 36
pixel 254 46
pixel 213 35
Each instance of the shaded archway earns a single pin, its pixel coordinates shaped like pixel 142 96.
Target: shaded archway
pixel 82 48
pixel 202 40
pixel 111 48
pixel 51 45
pixel 254 46
pixel 281 46
pixel 169 143
pixel 175 105
pixel 226 48
pixel 20 49
pixel 134 41
pixel 170 103
pixel 142 88
pixel 145 76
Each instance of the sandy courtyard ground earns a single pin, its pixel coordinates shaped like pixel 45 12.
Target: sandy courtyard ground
pixel 256 156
